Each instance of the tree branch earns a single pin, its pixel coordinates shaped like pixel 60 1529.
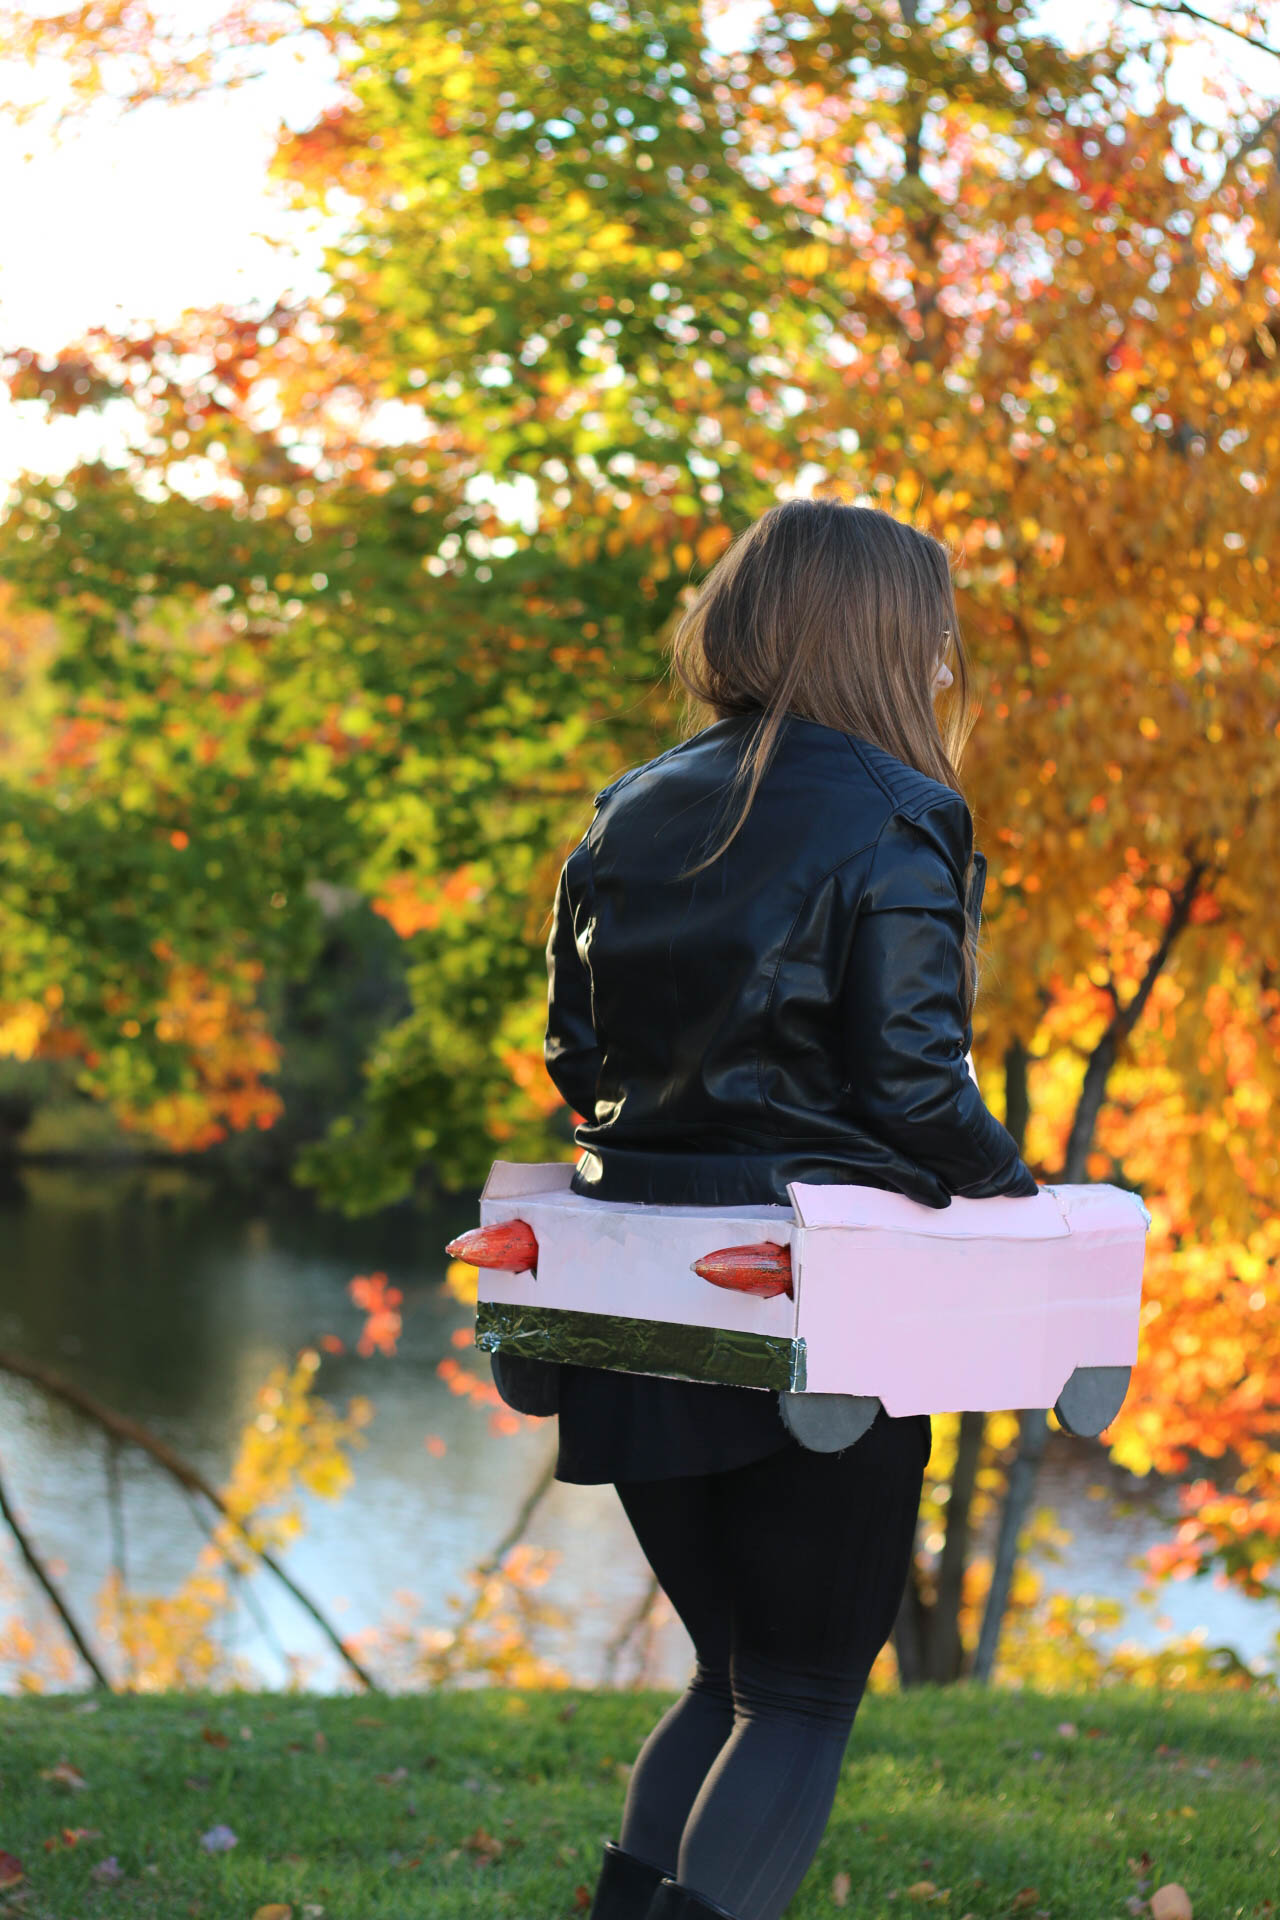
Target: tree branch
pixel 1107 1051
pixel 45 1579
pixel 632 1626
pixel 533 1499
pixel 1206 20
pixel 185 1474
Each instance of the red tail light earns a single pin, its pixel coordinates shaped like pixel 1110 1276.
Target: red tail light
pixel 509 1245
pixel 764 1269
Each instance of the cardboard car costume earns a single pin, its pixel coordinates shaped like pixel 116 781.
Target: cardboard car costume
pixel 849 1299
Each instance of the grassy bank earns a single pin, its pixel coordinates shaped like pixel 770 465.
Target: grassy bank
pixel 953 1802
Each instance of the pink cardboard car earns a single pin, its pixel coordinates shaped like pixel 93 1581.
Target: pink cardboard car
pixel 848 1299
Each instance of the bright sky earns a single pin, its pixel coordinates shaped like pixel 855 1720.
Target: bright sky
pixel 139 217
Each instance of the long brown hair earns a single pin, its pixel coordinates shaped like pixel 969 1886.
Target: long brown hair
pixel 838 614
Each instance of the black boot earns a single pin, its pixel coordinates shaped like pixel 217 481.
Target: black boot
pixel 674 1902
pixel 625 1887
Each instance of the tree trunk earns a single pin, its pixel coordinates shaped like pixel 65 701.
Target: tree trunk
pixel 937 1629
pixel 944 1649
pixel 1033 1423
pixel 1033 1432
pixel 1017 1099
pixel 909 1633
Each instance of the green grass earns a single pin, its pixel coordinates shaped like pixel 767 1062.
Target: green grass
pixel 490 1803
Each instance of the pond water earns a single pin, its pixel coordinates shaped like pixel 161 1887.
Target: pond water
pixel 171 1298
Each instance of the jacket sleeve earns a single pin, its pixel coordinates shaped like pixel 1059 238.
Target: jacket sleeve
pixel 905 1031
pixel 569 1046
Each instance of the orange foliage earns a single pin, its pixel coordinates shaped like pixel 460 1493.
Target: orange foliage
pixel 382 1305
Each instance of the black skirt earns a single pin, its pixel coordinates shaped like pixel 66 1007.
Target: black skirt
pixel 634 1426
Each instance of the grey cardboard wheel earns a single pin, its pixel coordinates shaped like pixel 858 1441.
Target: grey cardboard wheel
pixel 827 1422
pixel 1091 1399
pixel 527 1386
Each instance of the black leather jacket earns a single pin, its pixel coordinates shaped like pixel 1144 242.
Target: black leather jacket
pixel 794 1012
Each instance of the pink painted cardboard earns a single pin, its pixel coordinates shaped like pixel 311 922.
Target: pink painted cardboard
pixel 600 1256
pixel 980 1305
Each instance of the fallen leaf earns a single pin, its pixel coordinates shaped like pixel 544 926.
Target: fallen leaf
pixel 393 1778
pixel 274 1912
pixel 219 1840
pixel 11 1870
pixel 66 1776
pixel 71 1837
pixel 841 1887
pixel 483 1845
pixel 582 1898
pixel 1025 1897
pixel 1171 1902
pixel 320 1742
pixel 212 1738
pixel 107 1872
pixel 921 1890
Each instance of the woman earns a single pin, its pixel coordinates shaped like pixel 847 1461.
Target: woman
pixel 761 970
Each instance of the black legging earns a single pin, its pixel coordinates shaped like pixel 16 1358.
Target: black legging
pixel 787 1574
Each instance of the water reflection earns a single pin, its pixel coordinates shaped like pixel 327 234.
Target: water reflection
pixel 171 1299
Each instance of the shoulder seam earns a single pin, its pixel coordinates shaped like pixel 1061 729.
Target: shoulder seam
pixel 928 792
pixel 856 749
pixel 633 773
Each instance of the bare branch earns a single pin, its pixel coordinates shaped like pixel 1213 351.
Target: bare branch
pixel 493 1560
pixel 186 1475
pixel 1125 1019
pixel 1206 20
pixel 632 1627
pixel 45 1579
pixel 533 1499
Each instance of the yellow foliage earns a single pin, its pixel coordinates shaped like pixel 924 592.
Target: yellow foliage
pixel 462 1282
pixel 23 1025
